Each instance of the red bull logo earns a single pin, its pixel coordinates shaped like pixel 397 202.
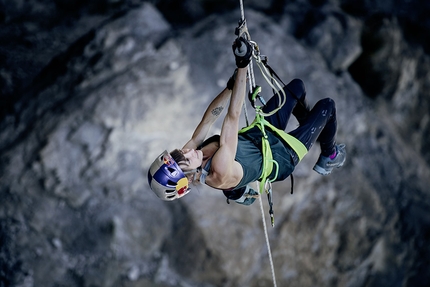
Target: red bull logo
pixel 182 186
pixel 168 160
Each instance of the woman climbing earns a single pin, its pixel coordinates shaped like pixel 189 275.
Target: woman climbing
pixel 233 159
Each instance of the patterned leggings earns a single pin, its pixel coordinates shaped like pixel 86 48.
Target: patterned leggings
pixel 316 124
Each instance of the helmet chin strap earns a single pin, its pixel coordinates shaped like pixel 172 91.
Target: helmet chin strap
pixel 194 171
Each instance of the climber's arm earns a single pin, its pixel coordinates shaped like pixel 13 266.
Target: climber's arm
pixel 211 114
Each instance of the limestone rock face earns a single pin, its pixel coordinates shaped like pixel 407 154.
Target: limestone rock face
pixel 76 208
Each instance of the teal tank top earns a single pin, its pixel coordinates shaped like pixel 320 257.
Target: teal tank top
pixel 249 156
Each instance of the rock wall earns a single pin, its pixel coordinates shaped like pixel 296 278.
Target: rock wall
pixel 76 209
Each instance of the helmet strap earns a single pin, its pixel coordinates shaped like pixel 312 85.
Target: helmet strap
pixel 194 171
pixel 199 169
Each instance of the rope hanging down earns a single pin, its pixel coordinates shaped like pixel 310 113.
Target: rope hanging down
pixel 242 31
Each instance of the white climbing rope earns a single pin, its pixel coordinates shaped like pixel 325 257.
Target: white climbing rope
pixel 276 86
pixel 267 241
pixel 242 13
pixel 251 87
pixel 251 77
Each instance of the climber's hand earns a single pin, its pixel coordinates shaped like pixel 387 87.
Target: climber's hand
pixel 242 50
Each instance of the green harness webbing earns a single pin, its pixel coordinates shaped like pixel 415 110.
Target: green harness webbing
pixel 268 161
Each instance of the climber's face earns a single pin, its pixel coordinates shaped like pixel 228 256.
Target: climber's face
pixel 194 158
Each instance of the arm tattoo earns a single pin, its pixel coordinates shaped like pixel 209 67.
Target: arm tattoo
pixel 217 111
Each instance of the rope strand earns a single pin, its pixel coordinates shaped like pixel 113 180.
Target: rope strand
pixel 267 241
pixel 252 85
pixel 242 13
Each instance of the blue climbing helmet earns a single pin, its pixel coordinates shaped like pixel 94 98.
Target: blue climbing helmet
pixel 166 179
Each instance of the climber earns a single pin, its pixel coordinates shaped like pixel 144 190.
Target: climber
pixel 233 159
